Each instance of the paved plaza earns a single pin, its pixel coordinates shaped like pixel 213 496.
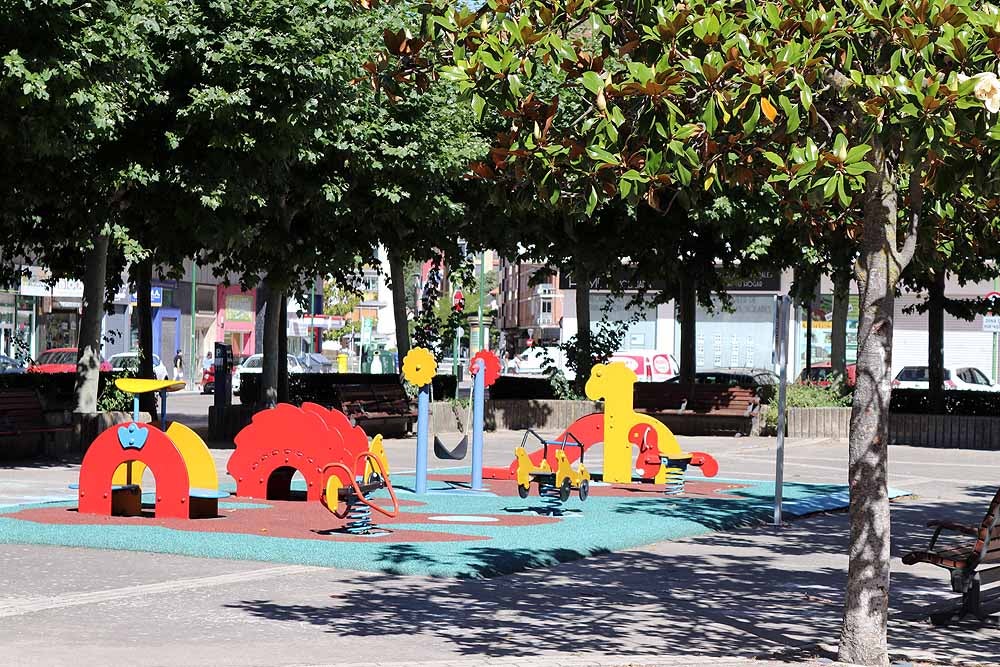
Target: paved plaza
pixel 742 596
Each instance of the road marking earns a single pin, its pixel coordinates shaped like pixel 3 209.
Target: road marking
pixel 33 605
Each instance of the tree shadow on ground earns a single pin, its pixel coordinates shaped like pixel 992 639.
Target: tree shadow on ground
pixel 740 593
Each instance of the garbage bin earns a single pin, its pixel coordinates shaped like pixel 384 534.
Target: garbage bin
pixel 341 363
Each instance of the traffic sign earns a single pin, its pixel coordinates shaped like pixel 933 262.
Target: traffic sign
pixel 991 323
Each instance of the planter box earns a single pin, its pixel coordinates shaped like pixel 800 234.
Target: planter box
pixel 917 430
pixel 946 431
pixel 818 422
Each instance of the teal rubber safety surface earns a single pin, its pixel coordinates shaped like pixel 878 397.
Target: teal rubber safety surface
pixel 452 531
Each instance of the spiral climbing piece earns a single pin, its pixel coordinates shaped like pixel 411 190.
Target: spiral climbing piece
pixel 674 469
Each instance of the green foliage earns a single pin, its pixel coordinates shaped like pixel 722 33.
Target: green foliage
pixel 113 399
pixel 563 389
pixel 437 324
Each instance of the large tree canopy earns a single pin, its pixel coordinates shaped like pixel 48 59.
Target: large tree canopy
pixel 852 104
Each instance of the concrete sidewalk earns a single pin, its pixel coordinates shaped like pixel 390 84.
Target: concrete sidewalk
pixel 759 593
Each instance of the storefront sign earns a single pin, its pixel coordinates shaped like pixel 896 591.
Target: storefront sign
pixel 239 308
pixel 765 282
pixel 36 283
pixel 155 297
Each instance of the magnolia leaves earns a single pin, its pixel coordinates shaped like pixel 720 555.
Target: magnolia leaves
pixel 705 95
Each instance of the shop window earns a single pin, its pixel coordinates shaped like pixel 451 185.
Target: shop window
pixel 205 300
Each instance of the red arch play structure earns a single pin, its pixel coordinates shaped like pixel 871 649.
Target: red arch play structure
pixel 285 439
pixel 135 442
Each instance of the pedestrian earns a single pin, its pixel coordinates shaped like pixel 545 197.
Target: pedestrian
pixel 178 366
pixel 208 362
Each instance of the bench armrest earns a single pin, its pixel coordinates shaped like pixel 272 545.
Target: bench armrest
pixel 951 525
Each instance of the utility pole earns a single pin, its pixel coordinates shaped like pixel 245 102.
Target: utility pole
pixel 194 364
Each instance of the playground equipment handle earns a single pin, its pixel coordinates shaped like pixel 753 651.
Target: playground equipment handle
pixel 388 485
pixel 357 490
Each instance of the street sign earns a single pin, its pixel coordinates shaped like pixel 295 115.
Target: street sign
pixel 991 323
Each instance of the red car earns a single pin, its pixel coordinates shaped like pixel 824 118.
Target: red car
pixel 821 374
pixel 60 360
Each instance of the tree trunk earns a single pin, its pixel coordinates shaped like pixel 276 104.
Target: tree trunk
pixel 841 302
pixel 935 344
pixel 863 636
pixel 688 313
pixel 283 351
pixel 585 355
pixel 144 323
pixel 271 347
pixel 398 280
pixel 88 365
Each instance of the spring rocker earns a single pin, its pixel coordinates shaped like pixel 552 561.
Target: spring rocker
pixel 187 486
pixel 660 459
pixel 346 492
pixel 554 485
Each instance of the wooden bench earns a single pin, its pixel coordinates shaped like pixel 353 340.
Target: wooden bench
pixel 22 415
pixel 378 407
pixel 968 560
pixel 699 409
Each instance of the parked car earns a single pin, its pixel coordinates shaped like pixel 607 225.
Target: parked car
pixel 748 378
pixel 314 362
pixel 254 364
pixel 533 360
pixel 60 360
pixel 821 374
pixel 968 378
pixel 129 361
pixel 10 365
pixel 763 381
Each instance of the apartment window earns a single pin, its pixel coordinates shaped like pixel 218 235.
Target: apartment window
pixel 545 308
pixel 369 283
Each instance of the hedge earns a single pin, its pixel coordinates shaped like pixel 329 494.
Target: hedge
pixel 956 402
pixel 514 388
pixel 57 390
pixel 318 388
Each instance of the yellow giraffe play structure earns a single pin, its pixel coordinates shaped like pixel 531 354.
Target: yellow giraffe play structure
pixel 614 383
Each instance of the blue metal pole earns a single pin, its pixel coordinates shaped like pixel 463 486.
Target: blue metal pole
pixel 163 409
pixel 479 388
pixel 423 419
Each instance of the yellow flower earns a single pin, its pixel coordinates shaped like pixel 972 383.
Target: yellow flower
pixel 419 366
pixel 988 91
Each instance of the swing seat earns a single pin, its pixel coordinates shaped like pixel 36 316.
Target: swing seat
pixel 456 454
